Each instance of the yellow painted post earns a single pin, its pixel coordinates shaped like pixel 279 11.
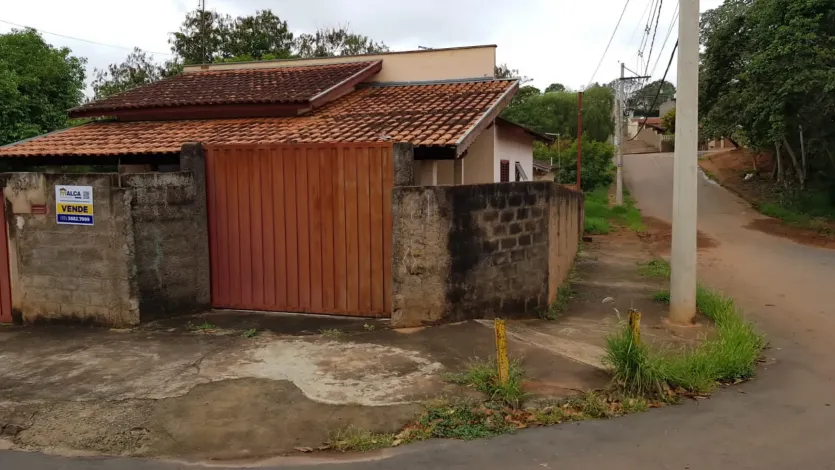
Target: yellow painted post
pixel 635 324
pixel 501 351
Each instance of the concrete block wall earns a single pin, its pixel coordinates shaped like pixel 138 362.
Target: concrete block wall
pixel 66 272
pixel 145 257
pixel 480 251
pixel 171 244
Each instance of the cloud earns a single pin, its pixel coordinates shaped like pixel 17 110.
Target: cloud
pixel 548 40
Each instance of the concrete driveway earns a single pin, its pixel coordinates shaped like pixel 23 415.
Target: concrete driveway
pixel 783 419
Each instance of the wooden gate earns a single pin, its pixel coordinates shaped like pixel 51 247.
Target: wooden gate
pixel 301 228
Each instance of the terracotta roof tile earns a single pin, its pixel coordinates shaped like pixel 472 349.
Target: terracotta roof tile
pixel 275 85
pixel 440 114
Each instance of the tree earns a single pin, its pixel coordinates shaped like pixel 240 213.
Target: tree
pixel 328 42
pixel 597 168
pixel 525 92
pixel 138 69
pixel 768 77
pixel 555 87
pixel 669 121
pixel 202 37
pixel 556 112
pixel 641 102
pixel 258 36
pixel 503 71
pixel 38 84
pixel 206 37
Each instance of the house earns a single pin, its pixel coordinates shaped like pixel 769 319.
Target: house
pixel 444 101
pixel 290 185
pixel 648 135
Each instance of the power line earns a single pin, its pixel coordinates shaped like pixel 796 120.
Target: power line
pixel 655 32
pixel 609 44
pixel 80 39
pixel 647 28
pixel 657 94
pixel 646 10
pixel 666 38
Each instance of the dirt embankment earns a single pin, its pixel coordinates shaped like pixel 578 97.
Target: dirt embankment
pixel 730 168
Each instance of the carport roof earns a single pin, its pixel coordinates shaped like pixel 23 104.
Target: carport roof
pixel 447 114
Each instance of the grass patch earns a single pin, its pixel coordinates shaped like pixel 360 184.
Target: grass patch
pixel 463 420
pixel 727 357
pixel 656 268
pixel 564 295
pixel 332 333
pixel 597 226
pixel 250 333
pixel 352 439
pixel 600 217
pixel 662 296
pixel 484 377
pixel 369 326
pixel 205 326
pixel 787 215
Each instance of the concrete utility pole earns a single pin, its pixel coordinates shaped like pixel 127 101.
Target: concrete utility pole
pixel 619 134
pixel 579 138
pixel 620 106
pixel 685 172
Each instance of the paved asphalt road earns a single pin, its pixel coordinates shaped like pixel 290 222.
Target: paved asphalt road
pixel 782 420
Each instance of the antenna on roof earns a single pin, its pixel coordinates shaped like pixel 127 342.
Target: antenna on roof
pixel 203 28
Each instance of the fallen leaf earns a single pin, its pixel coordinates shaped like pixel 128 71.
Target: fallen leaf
pixel 304 449
pixel 396 443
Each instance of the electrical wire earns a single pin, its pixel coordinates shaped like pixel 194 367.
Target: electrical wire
pixel 666 38
pixel 80 39
pixel 657 94
pixel 609 44
pixel 654 33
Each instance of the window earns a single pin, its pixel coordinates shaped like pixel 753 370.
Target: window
pixel 504 172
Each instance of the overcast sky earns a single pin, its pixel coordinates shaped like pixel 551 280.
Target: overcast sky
pixel 547 40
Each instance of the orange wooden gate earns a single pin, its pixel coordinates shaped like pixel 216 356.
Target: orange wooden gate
pixel 301 228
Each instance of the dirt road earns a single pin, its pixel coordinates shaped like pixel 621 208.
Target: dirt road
pixel 783 419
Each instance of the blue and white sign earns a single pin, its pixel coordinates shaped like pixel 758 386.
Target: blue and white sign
pixel 74 205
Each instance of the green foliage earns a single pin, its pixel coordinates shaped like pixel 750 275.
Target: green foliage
pixel 352 439
pixel 138 69
pixel 250 333
pixel 768 69
pixel 730 355
pixel 38 84
pixel 556 112
pixel 484 377
pixel 464 420
pixel 641 102
pixel 504 71
pixel 524 93
pixel 599 215
pixel 211 37
pixel 597 226
pixel 669 121
pixel 564 295
pixel 555 88
pixel 662 296
pixel 656 268
pixel 597 167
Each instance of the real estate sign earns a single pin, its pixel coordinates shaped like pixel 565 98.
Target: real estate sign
pixel 74 205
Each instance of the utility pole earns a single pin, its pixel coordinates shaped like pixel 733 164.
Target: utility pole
pixel 579 138
pixel 685 172
pixel 619 134
pixel 620 106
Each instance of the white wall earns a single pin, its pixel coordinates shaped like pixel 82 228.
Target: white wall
pixel 480 158
pixel 515 145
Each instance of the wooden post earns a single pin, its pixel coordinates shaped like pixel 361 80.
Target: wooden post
pixel 502 361
pixel 635 324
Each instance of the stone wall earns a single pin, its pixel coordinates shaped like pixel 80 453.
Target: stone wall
pixel 146 256
pixel 171 244
pixel 69 272
pixel 479 251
